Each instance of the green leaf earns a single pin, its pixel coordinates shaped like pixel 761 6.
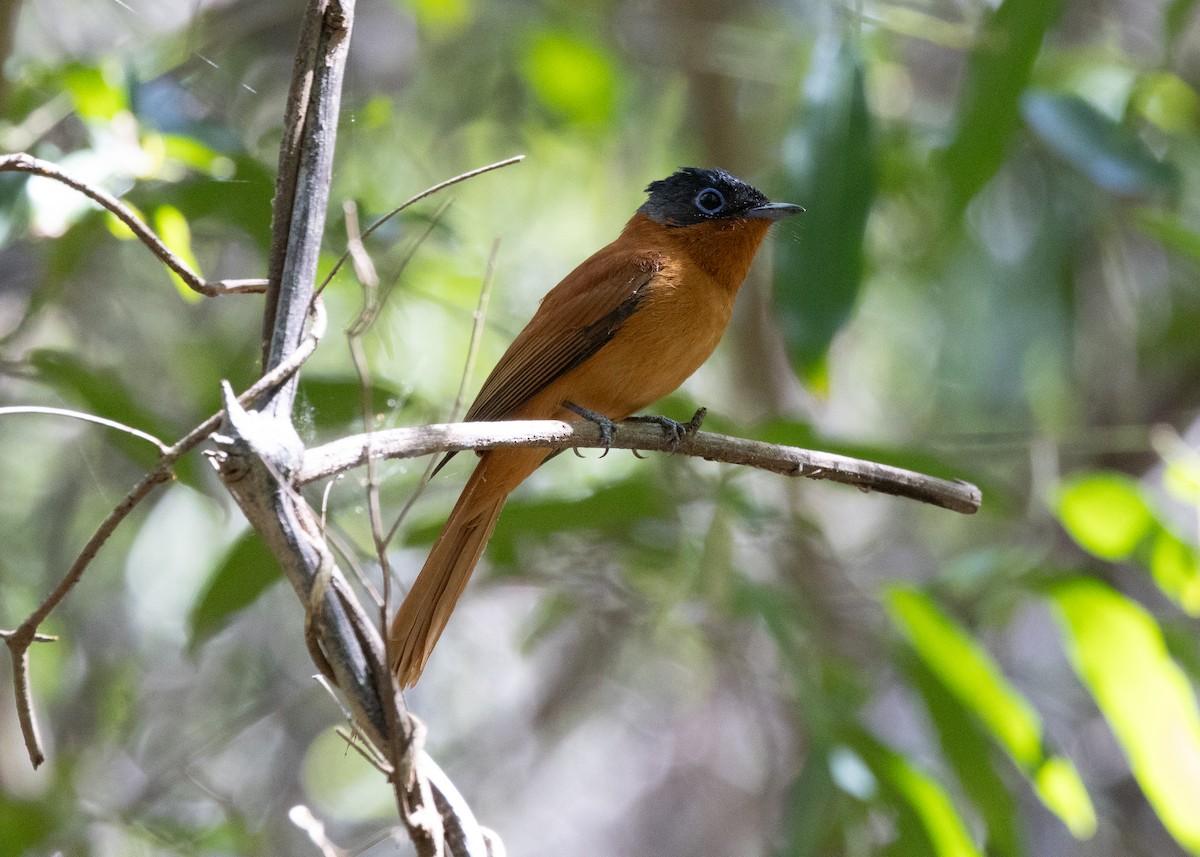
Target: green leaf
pixel 572 77
pixel 172 227
pixel 1175 566
pixel 966 748
pixel 94 92
pixel 832 173
pixel 1058 784
pixel 809 808
pixel 972 677
pixel 1169 229
pixel 1175 18
pixel 1168 101
pixel 914 791
pixel 442 19
pixel 1110 517
pixel 1108 153
pixel 1105 513
pixel 1117 649
pixel 997 74
pixel 245 572
pixel 969 673
pixel 25 825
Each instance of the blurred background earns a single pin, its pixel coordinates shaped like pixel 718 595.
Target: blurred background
pixel 996 279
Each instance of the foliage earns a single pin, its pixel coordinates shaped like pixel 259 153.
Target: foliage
pixel 996 279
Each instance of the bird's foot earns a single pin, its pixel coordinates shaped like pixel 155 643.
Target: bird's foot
pixel 607 427
pixel 675 429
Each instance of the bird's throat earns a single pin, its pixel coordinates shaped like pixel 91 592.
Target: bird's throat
pixel 723 249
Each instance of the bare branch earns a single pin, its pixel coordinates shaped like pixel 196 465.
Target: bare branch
pixel 301 816
pixel 430 191
pixel 24 163
pixel 23 636
pixel 477 324
pixel 349 452
pixel 303 179
pixel 256 462
pixel 259 451
pixel 88 418
pixel 19 641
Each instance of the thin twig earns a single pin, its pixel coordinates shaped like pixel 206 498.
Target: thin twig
pixel 373 297
pixel 301 816
pixel 349 452
pixel 477 326
pixel 19 641
pixel 367 751
pixel 37 638
pixel 88 418
pixel 373 301
pixel 25 163
pixel 374 513
pixel 364 267
pixel 461 177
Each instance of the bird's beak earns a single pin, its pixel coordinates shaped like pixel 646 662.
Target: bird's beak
pixel 774 210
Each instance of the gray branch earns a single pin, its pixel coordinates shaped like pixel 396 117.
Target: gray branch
pixel 259 452
pixel 346 453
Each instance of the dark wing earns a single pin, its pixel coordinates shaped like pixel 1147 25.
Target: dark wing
pixel 575 320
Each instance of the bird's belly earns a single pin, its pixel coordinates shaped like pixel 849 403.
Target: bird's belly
pixel 655 351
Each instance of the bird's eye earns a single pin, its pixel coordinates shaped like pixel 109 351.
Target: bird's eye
pixel 710 200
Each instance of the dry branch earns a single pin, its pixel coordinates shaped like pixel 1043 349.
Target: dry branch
pixel 259 452
pixel 23 163
pixel 346 453
pixel 25 634
pixel 262 460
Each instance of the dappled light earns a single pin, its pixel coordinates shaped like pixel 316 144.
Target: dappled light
pixel 994 283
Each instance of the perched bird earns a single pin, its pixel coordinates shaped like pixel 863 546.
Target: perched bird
pixel 621 331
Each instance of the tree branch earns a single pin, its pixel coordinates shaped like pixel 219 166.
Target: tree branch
pixel 23 163
pixel 349 452
pixel 19 640
pixel 303 179
pixel 259 452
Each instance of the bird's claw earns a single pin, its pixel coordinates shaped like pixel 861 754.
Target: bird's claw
pixel 676 430
pixel 607 427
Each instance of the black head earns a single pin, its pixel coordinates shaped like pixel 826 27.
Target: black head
pixel 693 195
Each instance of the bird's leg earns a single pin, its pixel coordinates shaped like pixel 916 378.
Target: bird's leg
pixel 677 430
pixel 607 427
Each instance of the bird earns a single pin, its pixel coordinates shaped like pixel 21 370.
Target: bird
pixel 621 331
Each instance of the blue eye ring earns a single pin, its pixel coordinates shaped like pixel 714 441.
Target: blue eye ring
pixel 706 203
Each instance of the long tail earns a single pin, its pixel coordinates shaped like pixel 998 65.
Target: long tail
pixel 427 608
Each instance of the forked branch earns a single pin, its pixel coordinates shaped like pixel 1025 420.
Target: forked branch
pixel 20 639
